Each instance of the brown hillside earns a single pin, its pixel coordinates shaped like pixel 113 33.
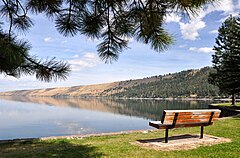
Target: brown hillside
pixel 94 90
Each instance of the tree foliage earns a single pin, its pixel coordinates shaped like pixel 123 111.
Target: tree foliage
pixel 16 61
pixel 111 21
pixel 181 84
pixel 226 60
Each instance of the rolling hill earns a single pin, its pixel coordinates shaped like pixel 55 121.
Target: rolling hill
pixel 189 83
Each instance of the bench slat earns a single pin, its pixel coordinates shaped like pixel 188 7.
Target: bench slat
pixel 191 113
pixel 206 120
pixel 180 116
pixel 161 126
pixel 198 115
pixel 168 119
pixel 202 110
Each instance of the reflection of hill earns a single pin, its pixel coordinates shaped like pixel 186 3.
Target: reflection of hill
pixel 149 109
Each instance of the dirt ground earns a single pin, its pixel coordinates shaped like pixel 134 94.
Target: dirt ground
pixel 181 142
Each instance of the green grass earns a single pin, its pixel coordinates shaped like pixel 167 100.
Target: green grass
pixel 120 145
pixel 226 104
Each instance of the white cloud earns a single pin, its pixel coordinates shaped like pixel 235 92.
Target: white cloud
pixel 87 61
pixel 172 18
pixel 190 30
pixel 7 78
pixel 229 7
pixel 226 6
pixel 202 49
pixel 90 56
pixel 48 39
pixel 76 56
pixel 182 46
pixel 95 40
pixel 213 32
pixel 51 39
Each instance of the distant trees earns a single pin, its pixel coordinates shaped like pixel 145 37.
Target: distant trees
pixel 226 60
pixel 111 21
pixel 182 84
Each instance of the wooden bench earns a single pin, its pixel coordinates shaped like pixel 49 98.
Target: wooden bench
pixel 186 118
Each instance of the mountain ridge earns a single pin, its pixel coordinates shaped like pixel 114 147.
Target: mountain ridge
pixel 134 88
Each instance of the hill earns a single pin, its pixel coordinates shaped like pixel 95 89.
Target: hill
pixel 189 83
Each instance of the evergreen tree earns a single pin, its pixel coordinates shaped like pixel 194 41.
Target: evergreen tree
pixel 112 21
pixel 15 61
pixel 181 84
pixel 226 60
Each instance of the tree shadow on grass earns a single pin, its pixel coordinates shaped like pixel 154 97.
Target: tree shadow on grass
pixel 52 148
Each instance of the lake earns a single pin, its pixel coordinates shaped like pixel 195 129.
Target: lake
pixel 33 117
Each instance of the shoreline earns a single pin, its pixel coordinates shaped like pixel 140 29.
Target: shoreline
pixel 78 136
pixel 104 97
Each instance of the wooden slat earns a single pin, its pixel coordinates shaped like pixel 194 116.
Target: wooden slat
pixel 190 125
pixel 196 116
pixel 161 126
pixel 199 114
pixel 202 110
pixel 190 113
pixel 216 114
pixel 189 121
pixel 180 116
pixel 193 120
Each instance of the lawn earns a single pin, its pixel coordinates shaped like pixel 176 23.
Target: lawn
pixel 120 145
pixel 226 104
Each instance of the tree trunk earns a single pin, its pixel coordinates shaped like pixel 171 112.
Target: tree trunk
pixel 233 99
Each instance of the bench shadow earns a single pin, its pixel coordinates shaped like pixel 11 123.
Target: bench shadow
pixel 179 137
pixel 53 148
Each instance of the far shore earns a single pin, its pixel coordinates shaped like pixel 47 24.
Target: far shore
pixel 107 97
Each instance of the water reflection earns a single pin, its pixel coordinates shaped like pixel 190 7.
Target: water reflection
pixel 24 117
pixel 144 108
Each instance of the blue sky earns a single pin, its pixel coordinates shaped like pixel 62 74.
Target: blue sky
pixel 194 39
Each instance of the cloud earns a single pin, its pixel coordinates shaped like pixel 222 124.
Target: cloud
pixel 7 78
pixel 48 39
pixel 182 46
pixel 95 40
pixel 190 30
pixel 202 49
pixel 51 40
pixel 89 60
pixel 172 18
pixel 76 56
pixel 227 6
pixel 213 32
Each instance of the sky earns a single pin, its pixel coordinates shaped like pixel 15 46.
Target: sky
pixel 192 49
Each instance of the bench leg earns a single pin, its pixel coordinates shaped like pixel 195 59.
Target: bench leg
pixel 166 135
pixel 201 135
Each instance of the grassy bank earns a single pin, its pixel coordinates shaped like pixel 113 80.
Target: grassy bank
pixel 226 104
pixel 120 145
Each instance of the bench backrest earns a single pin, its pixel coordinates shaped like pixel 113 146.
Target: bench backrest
pixel 190 116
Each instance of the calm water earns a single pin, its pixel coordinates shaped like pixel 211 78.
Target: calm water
pixel 39 117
